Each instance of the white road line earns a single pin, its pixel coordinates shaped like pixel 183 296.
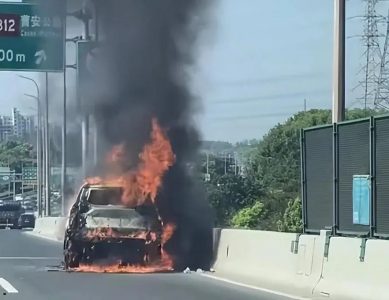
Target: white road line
pixel 27 258
pixel 9 288
pixel 255 287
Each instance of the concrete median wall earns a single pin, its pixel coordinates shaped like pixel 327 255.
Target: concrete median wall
pixel 348 274
pixel 324 267
pixel 270 259
pixel 51 227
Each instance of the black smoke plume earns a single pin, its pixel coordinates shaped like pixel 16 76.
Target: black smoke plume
pixel 146 49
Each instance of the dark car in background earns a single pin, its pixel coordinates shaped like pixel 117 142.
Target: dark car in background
pixel 10 211
pixel 26 221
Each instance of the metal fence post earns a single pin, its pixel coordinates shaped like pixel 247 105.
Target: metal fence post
pixel 335 208
pixel 303 180
pixel 372 143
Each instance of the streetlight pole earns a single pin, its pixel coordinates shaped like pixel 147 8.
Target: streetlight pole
pixel 38 145
pixel 338 97
pixel 47 150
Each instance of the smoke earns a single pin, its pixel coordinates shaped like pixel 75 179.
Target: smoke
pixel 142 71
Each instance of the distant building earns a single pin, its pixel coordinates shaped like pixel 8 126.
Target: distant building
pixel 18 123
pixel 16 126
pixel 6 128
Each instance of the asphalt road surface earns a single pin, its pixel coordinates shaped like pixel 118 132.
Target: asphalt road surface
pixel 24 262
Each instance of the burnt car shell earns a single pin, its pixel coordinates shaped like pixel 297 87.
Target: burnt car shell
pixel 98 231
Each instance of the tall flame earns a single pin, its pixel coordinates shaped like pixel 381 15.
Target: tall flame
pixel 143 183
pixel 139 186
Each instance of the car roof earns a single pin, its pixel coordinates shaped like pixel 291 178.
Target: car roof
pixel 110 206
pixel 102 186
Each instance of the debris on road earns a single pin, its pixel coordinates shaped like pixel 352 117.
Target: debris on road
pixel 187 271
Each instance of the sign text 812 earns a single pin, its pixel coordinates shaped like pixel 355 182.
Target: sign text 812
pixel 9 25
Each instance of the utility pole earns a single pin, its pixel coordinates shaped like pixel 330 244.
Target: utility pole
pixel 225 163
pixel 371 38
pixel 64 128
pixel 338 96
pixel 235 162
pixel 305 105
pixel 47 150
pixel 207 163
pixel 85 115
pixel 39 144
pixel 382 94
pixel 64 162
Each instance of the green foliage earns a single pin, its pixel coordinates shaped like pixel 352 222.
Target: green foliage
pixel 292 219
pixel 248 217
pixel 14 153
pixel 272 174
pixel 276 163
pixel 227 194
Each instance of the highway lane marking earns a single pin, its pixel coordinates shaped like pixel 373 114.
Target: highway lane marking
pixel 9 288
pixel 255 287
pixel 28 258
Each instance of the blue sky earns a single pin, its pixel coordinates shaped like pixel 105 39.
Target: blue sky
pixel 267 57
pixel 256 65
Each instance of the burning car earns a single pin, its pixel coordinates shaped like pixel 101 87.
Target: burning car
pixel 101 230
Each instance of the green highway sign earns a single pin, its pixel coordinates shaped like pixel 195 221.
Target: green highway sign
pixel 5 178
pixel 32 36
pixel 30 173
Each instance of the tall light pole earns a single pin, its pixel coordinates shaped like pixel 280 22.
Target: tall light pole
pixel 47 150
pixel 338 96
pixel 38 144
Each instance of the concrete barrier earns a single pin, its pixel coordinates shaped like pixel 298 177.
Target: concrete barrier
pixel 269 259
pixel 51 227
pixel 324 267
pixel 348 274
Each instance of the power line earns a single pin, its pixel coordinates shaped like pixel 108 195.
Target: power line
pixel 255 116
pixel 270 97
pixel 256 81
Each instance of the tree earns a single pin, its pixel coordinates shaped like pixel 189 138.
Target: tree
pixel 248 217
pixel 292 219
pixel 276 162
pixel 14 153
pixel 272 174
pixel 229 193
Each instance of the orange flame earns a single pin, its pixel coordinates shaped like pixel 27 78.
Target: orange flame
pixel 164 265
pixel 142 184
pixel 139 186
pixel 102 233
pixel 167 233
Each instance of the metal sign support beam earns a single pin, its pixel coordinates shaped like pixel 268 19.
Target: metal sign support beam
pixel 338 96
